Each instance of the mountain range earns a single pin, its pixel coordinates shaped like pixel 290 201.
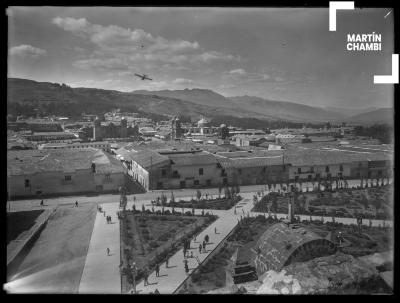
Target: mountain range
pixel 193 103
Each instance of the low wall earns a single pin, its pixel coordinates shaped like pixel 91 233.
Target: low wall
pixel 208 258
pixel 17 249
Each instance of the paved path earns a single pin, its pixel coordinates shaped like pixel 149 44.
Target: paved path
pixel 101 272
pixel 171 278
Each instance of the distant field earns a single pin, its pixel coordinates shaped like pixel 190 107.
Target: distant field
pixel 56 261
pixel 18 222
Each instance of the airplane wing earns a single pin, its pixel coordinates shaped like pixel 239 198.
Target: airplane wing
pixel 140 76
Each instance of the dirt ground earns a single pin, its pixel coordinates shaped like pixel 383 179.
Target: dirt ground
pixel 55 262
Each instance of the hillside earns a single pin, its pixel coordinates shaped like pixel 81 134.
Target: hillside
pixel 286 110
pixel 27 96
pixel 271 110
pixel 382 115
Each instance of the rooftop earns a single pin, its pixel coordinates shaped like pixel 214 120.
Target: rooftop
pixel 26 162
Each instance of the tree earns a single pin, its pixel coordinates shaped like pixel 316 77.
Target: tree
pixel 163 199
pixel 274 205
pixel 237 188
pixel 172 200
pixel 227 193
pixel 198 195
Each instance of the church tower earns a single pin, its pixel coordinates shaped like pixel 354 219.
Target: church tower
pixel 123 131
pixel 97 135
pixel 176 132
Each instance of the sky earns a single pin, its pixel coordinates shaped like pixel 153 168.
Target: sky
pixel 285 54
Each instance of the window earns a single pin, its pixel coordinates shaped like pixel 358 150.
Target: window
pixel 318 176
pixel 296 178
pixel 208 182
pixel 340 175
pixel 67 178
pixel 309 177
pixel 380 173
pixel 224 181
pixel 327 169
pixel 341 167
pixel 27 183
pixel 107 177
pixel 358 175
pixel 196 182
pixel 183 184
pixel 369 174
pixel 312 169
pixel 239 171
pixel 163 172
pixel 159 185
pixel 175 174
pixel 299 170
pixel 200 171
pixel 328 176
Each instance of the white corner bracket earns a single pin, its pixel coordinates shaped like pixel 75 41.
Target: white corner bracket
pixel 333 7
pixel 394 77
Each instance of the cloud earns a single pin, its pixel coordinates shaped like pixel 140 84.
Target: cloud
pixel 27 51
pixel 183 81
pixel 238 71
pixel 128 49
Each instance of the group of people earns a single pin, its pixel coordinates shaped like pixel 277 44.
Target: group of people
pixel 108 218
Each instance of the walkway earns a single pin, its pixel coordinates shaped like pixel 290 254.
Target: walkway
pixel 101 272
pixel 172 277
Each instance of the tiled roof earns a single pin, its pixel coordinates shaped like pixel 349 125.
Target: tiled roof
pixel 148 158
pixel 308 156
pixel 27 162
pixel 250 161
pixel 198 158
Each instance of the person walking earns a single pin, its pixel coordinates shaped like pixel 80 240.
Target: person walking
pixel 76 203
pixel 157 270
pixel 108 251
pixel 186 268
pixel 184 252
pixel 200 248
pixel 146 277
pixel 215 230
pixel 166 262
pixel 41 203
pixel 204 246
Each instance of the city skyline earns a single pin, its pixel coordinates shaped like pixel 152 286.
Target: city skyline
pixel 284 54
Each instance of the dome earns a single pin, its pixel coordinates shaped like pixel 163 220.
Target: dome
pixel 202 122
pixel 223 125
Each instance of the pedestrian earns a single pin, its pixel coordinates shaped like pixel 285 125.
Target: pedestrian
pixel 215 230
pixel 146 277
pixel 191 254
pixel 76 203
pixel 200 248
pixel 104 213
pixel 108 251
pixel 134 199
pixel 157 270
pixel 204 246
pixel 41 203
pixel 243 211
pixel 166 262
pixel 186 268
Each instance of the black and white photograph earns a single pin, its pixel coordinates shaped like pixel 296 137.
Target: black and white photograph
pixel 201 149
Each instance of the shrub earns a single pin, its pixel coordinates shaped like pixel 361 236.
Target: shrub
pixel 153 244
pixel 147 237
